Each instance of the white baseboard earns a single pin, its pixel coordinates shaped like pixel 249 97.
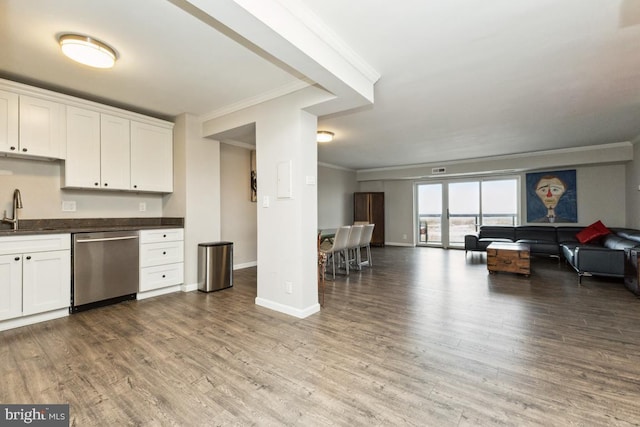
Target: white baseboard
pixel 157 292
pixel 34 318
pixel 291 311
pixel 245 265
pixel 189 288
pixel 406 245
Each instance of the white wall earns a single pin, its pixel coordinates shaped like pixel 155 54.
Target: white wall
pixel 238 217
pixel 601 196
pixel 633 188
pixel 39 184
pixel 196 191
pixel 335 196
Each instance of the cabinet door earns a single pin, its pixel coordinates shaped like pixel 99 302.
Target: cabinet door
pixel 115 152
pixel 151 158
pixel 82 166
pixel 41 128
pixel 376 209
pixel 361 207
pixel 8 122
pixel 46 281
pixel 10 286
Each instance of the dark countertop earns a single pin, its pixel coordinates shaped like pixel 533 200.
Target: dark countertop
pixel 88 225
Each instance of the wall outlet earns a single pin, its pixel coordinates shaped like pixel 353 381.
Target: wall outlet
pixel 288 287
pixel 143 206
pixel 68 206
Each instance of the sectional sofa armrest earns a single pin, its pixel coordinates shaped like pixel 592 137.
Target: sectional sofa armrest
pixel 599 260
pixel 471 242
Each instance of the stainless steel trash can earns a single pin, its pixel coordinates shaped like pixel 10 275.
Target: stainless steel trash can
pixel 215 266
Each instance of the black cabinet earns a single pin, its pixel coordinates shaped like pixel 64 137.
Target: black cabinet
pixel 369 207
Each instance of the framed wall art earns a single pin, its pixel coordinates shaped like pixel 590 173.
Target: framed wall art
pixel 254 178
pixel 552 197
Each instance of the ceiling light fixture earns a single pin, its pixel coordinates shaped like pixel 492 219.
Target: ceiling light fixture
pixel 87 50
pixel 324 136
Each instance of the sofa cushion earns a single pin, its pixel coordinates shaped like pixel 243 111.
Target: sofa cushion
pixel 592 232
pixel 536 233
pixel 567 234
pixel 541 247
pixel 613 241
pixel 628 233
pixel 495 231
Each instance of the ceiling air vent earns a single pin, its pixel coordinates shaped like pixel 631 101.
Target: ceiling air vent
pixel 438 170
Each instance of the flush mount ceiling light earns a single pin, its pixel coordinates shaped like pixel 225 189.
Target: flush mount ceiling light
pixel 324 136
pixel 87 51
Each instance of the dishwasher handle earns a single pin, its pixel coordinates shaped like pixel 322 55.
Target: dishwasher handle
pixel 106 239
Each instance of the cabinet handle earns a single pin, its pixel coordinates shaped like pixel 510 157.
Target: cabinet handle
pixel 164 253
pixel 96 184
pixel 12 148
pixel 17 258
pixel 24 150
pixel 135 186
pixel 28 256
pixel 106 184
pixel 164 275
pixel 164 235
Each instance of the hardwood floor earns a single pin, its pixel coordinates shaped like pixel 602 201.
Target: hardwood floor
pixel 426 337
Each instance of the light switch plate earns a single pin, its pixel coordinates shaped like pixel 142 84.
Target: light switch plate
pixel 265 201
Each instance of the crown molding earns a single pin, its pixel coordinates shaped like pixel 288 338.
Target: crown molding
pixel 329 165
pixel 504 157
pixel 258 99
pixel 317 26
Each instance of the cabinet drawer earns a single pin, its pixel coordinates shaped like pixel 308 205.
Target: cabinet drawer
pixel 34 243
pixel 161 235
pixel 161 276
pixel 161 253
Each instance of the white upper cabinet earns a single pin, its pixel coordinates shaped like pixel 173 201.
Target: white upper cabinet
pixel 115 163
pixel 82 166
pixel 41 128
pixel 103 147
pixel 151 158
pixel 8 122
pixel 97 150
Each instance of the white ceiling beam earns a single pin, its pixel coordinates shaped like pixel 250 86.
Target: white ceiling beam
pixel 289 35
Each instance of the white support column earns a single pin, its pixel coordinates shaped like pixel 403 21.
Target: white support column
pixel 286 149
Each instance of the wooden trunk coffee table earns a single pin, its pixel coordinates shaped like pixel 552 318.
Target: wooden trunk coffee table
pixel 509 257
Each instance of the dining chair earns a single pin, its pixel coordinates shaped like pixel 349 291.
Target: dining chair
pixel 322 268
pixel 365 242
pixel 351 251
pixel 337 247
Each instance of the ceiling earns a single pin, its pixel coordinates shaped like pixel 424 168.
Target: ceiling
pixel 458 80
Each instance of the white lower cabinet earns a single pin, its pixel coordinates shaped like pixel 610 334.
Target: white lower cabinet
pixel 10 286
pixel 161 259
pixel 35 275
pixel 46 281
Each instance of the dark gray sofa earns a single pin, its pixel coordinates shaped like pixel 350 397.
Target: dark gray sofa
pixel 542 240
pixel 603 257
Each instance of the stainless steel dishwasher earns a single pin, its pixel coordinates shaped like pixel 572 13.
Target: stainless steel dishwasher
pixel 105 268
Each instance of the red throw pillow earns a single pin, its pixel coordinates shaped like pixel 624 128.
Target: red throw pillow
pixel 592 232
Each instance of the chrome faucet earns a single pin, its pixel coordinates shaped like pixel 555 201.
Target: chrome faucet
pixel 17 204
